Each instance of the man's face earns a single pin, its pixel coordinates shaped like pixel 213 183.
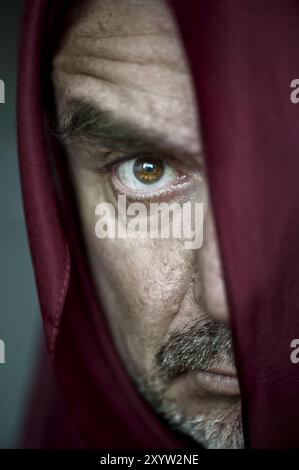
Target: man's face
pixel 127 115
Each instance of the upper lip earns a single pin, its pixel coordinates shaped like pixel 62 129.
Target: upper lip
pixel 228 371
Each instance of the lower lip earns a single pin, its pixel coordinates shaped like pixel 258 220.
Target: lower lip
pixel 218 384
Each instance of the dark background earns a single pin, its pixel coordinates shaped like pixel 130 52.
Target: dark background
pixel 19 311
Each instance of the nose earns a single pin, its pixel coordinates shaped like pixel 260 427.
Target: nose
pixel 209 288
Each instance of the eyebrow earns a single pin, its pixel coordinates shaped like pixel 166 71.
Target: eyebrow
pixel 87 123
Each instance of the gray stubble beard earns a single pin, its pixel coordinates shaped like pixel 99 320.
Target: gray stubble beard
pixel 203 344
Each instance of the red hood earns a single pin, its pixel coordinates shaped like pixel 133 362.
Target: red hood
pixel 243 57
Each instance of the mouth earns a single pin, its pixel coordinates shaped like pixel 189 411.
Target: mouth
pixel 218 382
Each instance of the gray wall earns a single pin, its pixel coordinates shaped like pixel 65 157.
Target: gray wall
pixel 19 311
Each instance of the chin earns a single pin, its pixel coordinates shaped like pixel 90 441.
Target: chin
pixel 215 429
pixel 215 433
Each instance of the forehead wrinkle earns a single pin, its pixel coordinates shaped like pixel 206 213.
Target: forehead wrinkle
pixel 166 52
pixel 67 71
pixel 148 75
pixel 122 36
pixel 87 55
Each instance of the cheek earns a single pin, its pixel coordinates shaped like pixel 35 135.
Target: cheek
pixel 141 283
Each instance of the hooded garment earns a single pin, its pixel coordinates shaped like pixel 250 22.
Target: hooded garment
pixel 243 57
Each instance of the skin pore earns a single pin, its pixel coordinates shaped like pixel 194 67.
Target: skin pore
pixel 124 100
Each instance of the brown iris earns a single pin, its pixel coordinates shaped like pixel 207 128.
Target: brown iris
pixel 148 170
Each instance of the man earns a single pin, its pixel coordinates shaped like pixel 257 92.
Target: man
pixel 126 116
pixel 120 73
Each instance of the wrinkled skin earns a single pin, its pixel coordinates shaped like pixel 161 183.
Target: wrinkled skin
pixel 126 57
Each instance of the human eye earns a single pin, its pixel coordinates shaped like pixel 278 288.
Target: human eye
pixel 147 175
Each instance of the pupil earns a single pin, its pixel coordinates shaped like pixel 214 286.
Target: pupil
pixel 148 170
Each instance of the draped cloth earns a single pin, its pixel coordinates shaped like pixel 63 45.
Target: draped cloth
pixel 243 57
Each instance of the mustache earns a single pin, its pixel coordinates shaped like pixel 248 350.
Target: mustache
pixel 203 345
